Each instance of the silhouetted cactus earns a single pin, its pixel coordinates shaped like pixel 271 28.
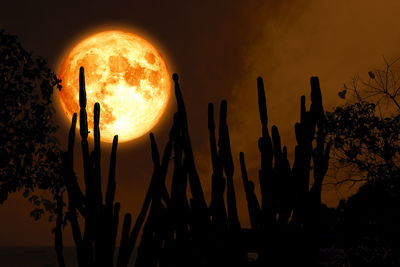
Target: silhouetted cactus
pixel 226 156
pixel 217 206
pixel 95 244
pixel 252 201
pixel 281 226
pixel 180 229
pixel 226 227
pixel 290 210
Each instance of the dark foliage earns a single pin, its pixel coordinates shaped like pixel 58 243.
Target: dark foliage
pixel 29 153
pixel 366 145
pixel 365 132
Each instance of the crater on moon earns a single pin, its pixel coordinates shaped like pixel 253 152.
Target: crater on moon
pixel 126 75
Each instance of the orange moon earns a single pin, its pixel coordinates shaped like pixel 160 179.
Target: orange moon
pixel 126 75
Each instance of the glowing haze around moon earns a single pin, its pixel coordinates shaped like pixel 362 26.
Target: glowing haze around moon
pixel 126 75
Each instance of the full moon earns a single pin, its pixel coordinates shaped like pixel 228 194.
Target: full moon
pixel 126 75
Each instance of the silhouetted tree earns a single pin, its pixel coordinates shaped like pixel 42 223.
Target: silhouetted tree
pixel 366 129
pixel 366 135
pixel 29 153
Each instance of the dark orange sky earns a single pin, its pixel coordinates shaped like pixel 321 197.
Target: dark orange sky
pixel 218 49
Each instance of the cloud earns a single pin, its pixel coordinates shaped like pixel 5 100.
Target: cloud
pixel 331 39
